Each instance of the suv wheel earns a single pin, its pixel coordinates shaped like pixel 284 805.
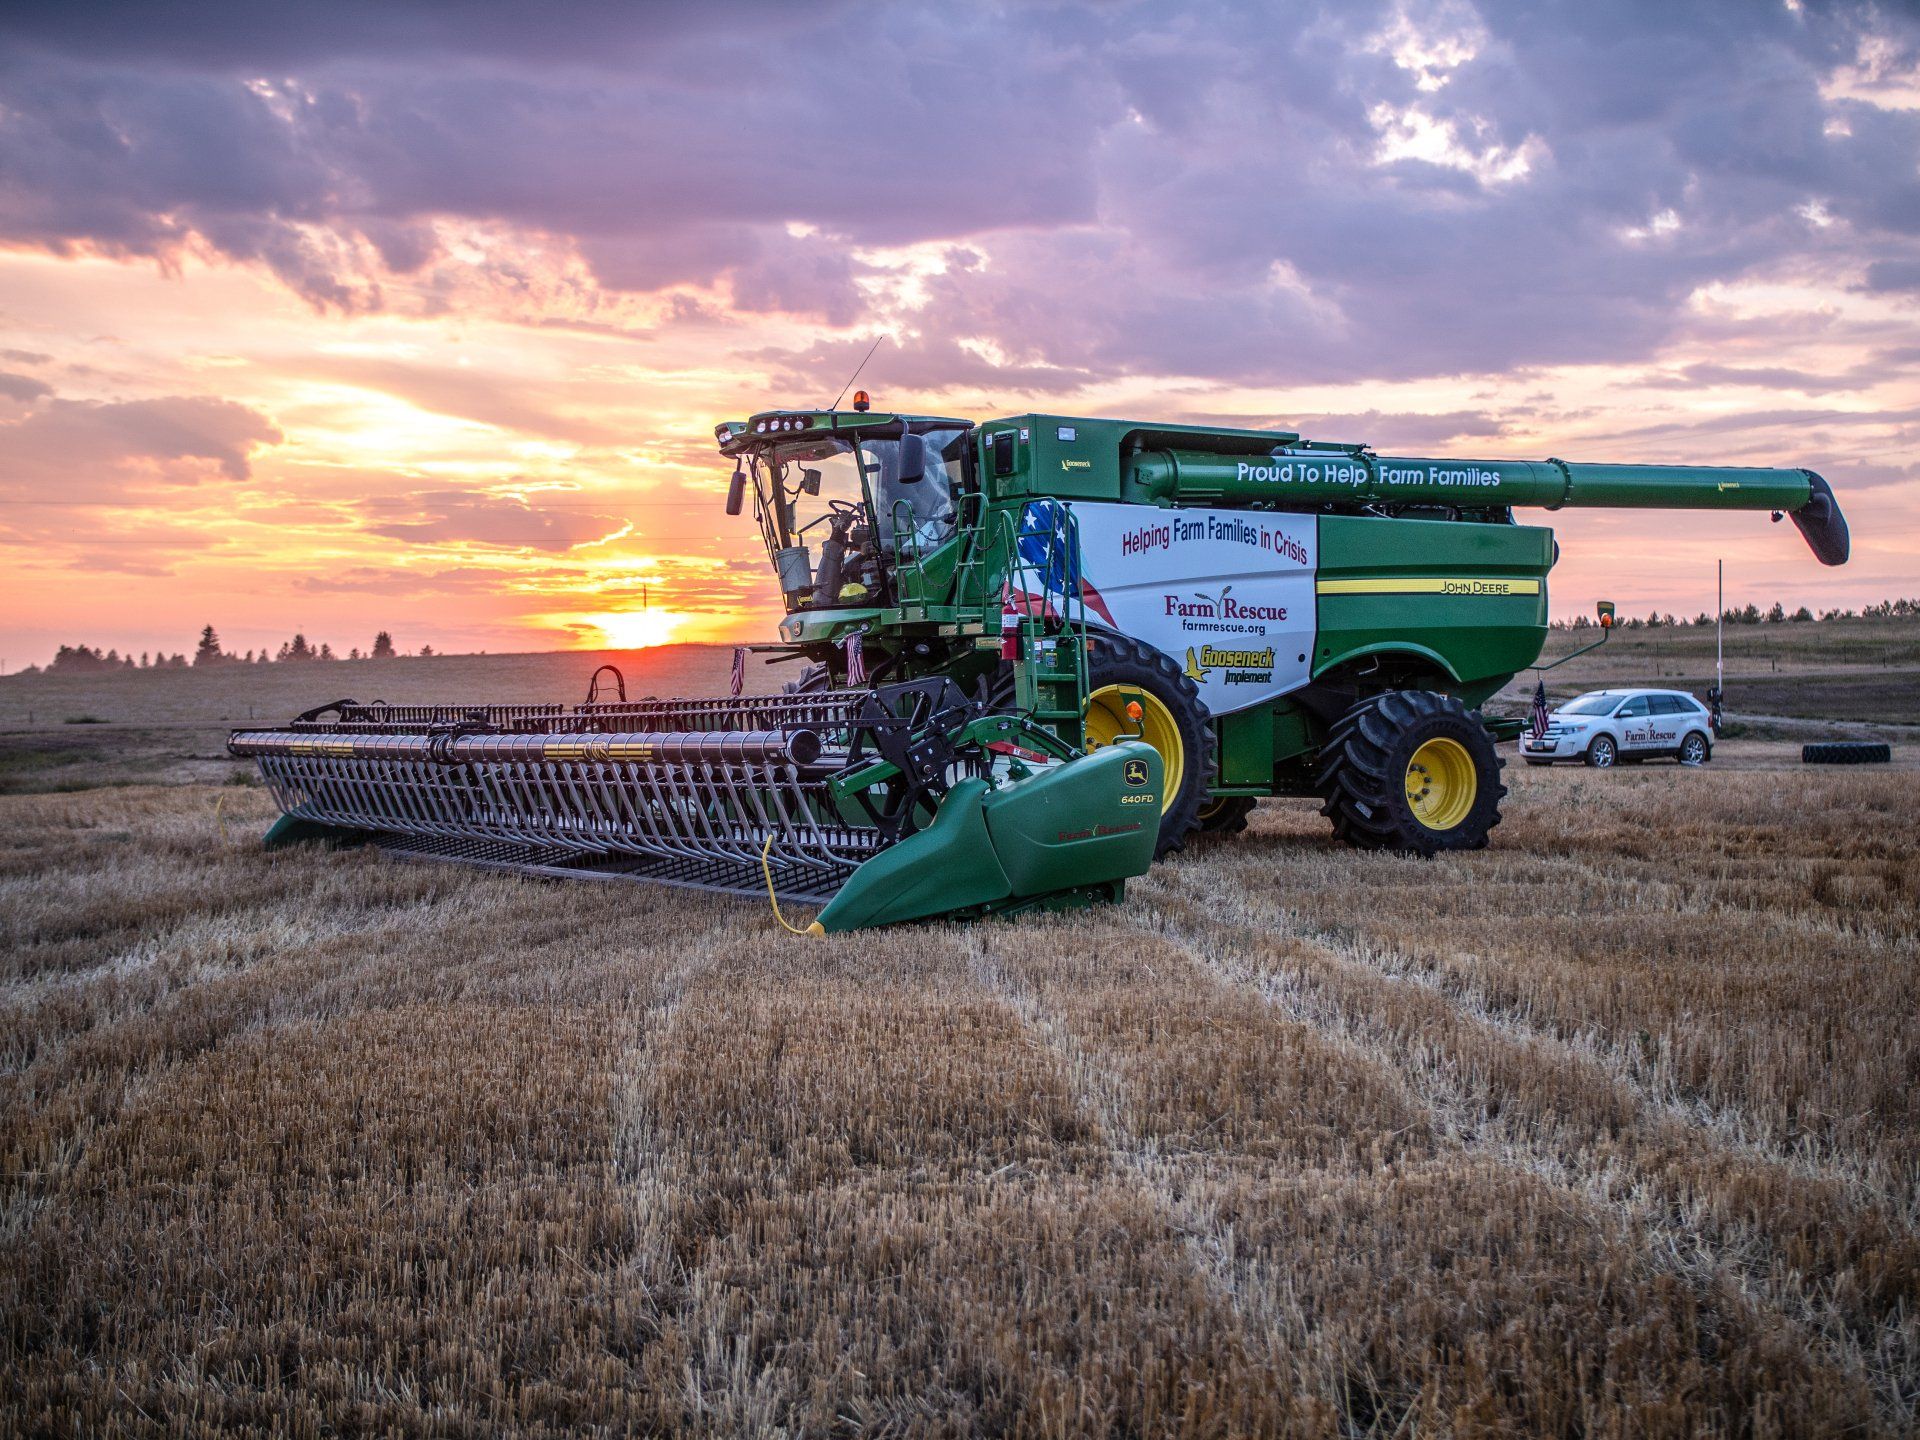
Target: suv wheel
pixel 1693 749
pixel 1602 752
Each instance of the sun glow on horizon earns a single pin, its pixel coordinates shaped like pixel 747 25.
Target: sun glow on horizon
pixel 632 629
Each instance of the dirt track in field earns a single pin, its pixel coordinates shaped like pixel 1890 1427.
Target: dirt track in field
pixel 1610 1129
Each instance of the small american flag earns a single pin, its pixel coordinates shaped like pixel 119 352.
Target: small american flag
pixel 739 668
pixel 856 659
pixel 1539 708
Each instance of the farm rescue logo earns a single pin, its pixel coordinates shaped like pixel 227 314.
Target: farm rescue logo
pixel 1228 593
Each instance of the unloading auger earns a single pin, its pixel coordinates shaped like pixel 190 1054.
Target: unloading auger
pixel 886 804
pixel 1092 638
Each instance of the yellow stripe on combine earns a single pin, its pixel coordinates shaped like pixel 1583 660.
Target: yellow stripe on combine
pixel 1428 585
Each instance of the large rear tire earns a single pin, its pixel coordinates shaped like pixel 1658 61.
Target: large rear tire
pixel 1173 720
pixel 1411 770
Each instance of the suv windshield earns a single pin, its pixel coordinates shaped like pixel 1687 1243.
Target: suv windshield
pixel 1596 704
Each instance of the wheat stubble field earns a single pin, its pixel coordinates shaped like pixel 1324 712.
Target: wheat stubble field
pixel 1608 1130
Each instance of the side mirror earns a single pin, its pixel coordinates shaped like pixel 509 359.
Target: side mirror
pixel 809 482
pixel 736 491
pixel 1605 610
pixel 913 459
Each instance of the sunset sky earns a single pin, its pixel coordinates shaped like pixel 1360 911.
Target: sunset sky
pixel 399 315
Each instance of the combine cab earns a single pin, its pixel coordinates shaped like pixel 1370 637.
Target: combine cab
pixel 1030 656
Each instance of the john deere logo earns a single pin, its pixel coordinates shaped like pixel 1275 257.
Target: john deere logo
pixel 1136 772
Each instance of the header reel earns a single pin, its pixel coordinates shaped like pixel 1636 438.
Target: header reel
pixel 896 803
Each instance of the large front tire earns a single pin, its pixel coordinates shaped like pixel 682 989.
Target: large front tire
pixel 1173 720
pixel 816 679
pixel 1411 770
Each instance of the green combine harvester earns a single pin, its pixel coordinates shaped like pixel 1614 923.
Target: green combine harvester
pixel 1031 656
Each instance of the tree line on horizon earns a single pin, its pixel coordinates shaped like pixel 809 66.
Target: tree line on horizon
pixel 1751 614
pixel 208 654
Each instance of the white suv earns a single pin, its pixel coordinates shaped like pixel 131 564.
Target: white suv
pixel 1603 726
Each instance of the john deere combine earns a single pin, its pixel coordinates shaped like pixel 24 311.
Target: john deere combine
pixel 1031 656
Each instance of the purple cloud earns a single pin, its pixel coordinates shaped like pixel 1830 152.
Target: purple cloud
pixel 439 517
pixel 71 450
pixel 1148 191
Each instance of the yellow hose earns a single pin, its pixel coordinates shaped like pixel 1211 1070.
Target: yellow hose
pixel 774 900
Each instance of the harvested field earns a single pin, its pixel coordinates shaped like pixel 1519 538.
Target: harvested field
pixel 1607 1130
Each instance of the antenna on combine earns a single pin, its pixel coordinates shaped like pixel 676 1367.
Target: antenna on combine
pixel 856 371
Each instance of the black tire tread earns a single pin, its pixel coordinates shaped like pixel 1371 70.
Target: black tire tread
pixel 814 679
pixel 1229 818
pixel 1358 777
pixel 1847 752
pixel 1109 657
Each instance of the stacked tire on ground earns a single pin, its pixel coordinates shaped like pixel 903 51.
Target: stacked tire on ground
pixel 1846 752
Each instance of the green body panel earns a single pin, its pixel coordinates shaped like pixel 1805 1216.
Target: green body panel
pixel 948 866
pixel 1423 577
pixel 287 830
pixel 1682 487
pixel 1247 743
pixel 1081 828
pixel 1471 598
pixel 1080 823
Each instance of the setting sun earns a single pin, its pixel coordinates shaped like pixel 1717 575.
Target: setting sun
pixel 636 629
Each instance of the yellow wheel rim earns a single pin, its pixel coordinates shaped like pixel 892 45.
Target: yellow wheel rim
pixel 1441 784
pixel 1107 722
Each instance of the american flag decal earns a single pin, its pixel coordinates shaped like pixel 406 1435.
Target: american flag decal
pixel 856 660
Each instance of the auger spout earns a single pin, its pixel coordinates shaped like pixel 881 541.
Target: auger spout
pixel 1354 475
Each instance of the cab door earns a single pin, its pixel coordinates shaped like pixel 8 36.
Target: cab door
pixel 1634 722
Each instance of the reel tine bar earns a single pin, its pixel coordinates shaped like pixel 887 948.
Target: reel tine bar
pixel 714 793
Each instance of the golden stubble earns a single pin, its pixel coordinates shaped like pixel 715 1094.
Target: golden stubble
pixel 1606 1130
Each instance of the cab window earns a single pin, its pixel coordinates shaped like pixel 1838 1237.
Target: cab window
pixel 1670 705
pixel 1634 709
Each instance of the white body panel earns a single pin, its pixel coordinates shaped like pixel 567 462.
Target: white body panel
pixel 1227 594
